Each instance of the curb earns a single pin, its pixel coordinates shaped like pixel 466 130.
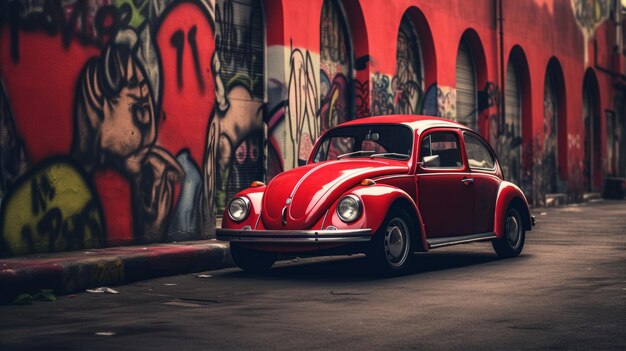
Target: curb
pixel 68 272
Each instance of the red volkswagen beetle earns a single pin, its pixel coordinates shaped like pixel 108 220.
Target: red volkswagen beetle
pixel 384 186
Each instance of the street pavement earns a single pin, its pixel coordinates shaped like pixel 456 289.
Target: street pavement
pixel 567 291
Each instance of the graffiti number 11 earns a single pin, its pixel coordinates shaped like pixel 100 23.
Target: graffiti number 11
pixel 177 40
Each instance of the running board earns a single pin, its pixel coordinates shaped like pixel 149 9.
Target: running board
pixel 453 240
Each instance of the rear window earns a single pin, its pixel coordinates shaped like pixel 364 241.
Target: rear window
pixel 478 154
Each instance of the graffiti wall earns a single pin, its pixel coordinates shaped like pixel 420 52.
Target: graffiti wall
pixel 404 92
pixel 106 110
pixel 446 102
pixel 550 142
pixel 589 14
pixel 152 114
pixel 337 101
pixel 238 123
pixel 128 122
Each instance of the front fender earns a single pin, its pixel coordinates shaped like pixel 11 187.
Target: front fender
pixel 255 195
pixel 509 194
pixel 377 200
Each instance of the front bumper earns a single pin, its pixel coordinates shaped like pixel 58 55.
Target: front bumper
pixel 295 236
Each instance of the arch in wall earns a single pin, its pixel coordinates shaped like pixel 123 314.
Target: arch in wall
pixel 415 63
pixel 358 33
pixel 471 77
pixel 344 63
pixel 514 133
pixel 512 129
pixel 554 164
pixel 336 66
pixel 592 162
pixel 407 85
pixel 427 45
pixel 360 84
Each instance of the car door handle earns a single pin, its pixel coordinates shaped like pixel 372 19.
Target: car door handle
pixel 467 181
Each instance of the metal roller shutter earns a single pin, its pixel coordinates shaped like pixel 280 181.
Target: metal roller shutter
pixel 550 143
pixel 240 44
pixel 513 118
pixel 589 142
pixel 465 87
pixel 240 41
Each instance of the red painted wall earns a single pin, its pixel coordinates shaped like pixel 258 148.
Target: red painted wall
pixel 79 171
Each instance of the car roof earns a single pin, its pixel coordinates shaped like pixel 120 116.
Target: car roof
pixel 415 122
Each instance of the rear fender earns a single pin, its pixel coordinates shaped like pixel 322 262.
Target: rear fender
pixel 510 195
pixel 377 200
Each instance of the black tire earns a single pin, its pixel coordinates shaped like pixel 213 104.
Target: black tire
pixel 391 250
pixel 252 260
pixel 514 234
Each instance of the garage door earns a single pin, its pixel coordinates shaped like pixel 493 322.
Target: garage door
pixel 240 43
pixel 550 142
pixel 513 124
pixel 465 86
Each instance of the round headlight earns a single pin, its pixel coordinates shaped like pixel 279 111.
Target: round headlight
pixel 239 208
pixel 349 208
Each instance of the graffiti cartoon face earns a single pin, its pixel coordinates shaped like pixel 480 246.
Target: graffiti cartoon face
pixel 128 113
pixel 115 110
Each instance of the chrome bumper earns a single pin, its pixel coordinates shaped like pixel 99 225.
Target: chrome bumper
pixel 295 236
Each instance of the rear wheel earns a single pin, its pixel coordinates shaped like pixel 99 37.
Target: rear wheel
pixel 391 249
pixel 513 237
pixel 252 260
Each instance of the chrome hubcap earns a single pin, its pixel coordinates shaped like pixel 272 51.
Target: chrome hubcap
pixel 396 242
pixel 512 230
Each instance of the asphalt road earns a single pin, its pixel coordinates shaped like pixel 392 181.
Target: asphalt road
pixel 567 291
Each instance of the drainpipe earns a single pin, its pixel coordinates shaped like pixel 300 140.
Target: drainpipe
pixel 617 48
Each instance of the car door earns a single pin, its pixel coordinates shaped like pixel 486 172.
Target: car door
pixel 445 198
pixel 486 181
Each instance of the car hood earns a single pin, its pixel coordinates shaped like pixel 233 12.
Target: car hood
pixel 305 193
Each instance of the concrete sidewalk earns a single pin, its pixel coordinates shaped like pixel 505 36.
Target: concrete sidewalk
pixel 67 272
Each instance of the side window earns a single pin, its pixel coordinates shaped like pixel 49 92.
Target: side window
pixel 478 155
pixel 440 150
pixel 322 151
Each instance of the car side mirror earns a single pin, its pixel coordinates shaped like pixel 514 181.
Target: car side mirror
pixel 431 161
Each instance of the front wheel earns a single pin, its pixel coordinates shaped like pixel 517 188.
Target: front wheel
pixel 514 235
pixel 252 260
pixel 391 249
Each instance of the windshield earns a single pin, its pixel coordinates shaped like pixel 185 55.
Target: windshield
pixel 371 141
